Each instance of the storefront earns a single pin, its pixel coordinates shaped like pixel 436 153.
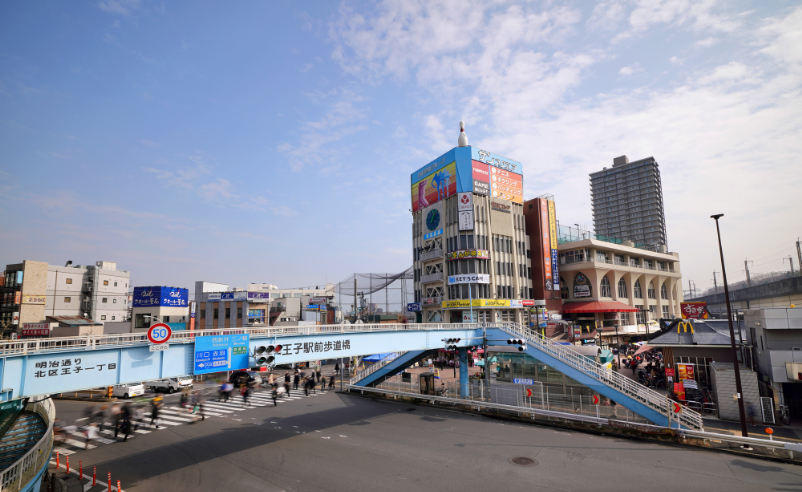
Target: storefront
pixel 594 319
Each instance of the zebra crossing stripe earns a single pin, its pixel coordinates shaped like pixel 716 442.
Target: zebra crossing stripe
pixel 61 450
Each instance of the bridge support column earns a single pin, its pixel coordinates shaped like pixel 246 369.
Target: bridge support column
pixel 463 372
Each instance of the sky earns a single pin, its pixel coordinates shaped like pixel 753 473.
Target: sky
pixel 273 141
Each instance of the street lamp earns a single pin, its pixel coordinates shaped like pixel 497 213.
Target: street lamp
pixel 732 332
pixel 152 317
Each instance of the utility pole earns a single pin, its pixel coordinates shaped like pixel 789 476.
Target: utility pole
pixel 746 269
pixel 791 261
pixel 356 308
pixel 715 284
pixel 799 255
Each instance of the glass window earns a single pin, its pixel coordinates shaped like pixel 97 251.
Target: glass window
pixel 663 292
pixel 113 318
pixel 638 290
pixel 202 313
pixel 166 319
pixel 216 312
pixel 228 313
pixel 622 288
pixel 651 291
pixel 68 299
pixel 606 290
pixel 239 313
pixel 115 284
pixel 105 282
pixel 105 300
pixel 69 280
pixel 114 300
pixel 102 317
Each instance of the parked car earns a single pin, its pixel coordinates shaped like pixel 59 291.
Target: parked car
pixel 128 390
pixel 239 377
pixel 170 385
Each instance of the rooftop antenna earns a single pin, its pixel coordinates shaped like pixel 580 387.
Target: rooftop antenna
pixel 463 139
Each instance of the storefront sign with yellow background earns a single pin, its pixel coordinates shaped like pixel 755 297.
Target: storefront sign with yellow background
pixel 464 303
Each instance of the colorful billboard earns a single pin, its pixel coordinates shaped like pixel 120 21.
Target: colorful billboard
pixel 160 296
pixel 544 224
pixel 481 178
pixel 468 254
pixel 693 310
pixel 434 187
pixel 496 161
pixel 555 272
pixel 506 185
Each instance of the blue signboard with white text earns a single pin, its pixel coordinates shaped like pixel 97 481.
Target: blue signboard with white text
pixel 161 296
pixel 221 353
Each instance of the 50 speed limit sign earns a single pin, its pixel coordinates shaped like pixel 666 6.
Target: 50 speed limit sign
pixel 159 333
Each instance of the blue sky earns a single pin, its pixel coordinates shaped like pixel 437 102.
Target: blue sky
pixel 273 142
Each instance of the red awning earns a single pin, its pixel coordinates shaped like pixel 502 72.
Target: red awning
pixel 598 307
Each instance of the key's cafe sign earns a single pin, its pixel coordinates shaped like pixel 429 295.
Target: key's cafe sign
pixel 479 254
pixel 465 303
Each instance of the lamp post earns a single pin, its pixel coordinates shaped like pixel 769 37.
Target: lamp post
pixel 732 331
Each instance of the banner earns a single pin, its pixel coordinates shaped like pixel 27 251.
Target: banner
pixel 544 227
pixel 685 371
pixel 469 278
pixel 435 187
pixel 468 254
pixel 465 303
pixel 555 272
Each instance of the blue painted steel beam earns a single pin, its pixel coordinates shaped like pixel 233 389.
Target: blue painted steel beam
pixel 392 368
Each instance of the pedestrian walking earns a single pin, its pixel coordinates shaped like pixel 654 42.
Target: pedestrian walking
pixel 312 384
pixel 91 434
pixel 296 380
pixel 154 412
pixel 117 416
pixel 306 386
pixel 287 378
pixel 125 426
pixel 274 394
pixel 287 387
pixel 336 367
pixel 331 382
pixel 245 392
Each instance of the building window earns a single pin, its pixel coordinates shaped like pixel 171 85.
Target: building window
pixel 665 312
pixel 115 284
pixel 651 291
pixel 640 316
pixel 239 313
pixel 113 318
pixel 216 310
pixel 165 319
pixel 102 317
pixel 68 299
pixel 663 292
pixel 140 320
pixel 114 300
pixel 69 280
pixel 563 289
pixel 622 289
pixel 105 282
pixel 105 300
pixel 638 290
pixel 228 313
pixel 202 313
pixel 606 290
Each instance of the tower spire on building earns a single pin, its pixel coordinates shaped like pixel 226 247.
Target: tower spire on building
pixel 463 139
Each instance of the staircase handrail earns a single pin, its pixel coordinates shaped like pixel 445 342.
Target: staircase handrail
pixel 360 375
pixel 18 475
pixel 597 371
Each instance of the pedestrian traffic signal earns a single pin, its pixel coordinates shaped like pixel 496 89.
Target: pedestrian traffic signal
pixel 519 342
pixel 266 354
pixel 451 343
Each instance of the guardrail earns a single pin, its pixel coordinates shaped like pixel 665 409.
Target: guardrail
pixel 623 384
pixel 94 342
pixel 16 476
pixel 791 448
pixel 375 367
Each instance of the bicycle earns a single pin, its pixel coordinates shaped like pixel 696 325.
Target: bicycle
pixel 785 417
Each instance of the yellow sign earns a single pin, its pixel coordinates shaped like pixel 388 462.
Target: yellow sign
pixel 552 225
pixel 683 326
pixel 464 303
pixel 33 299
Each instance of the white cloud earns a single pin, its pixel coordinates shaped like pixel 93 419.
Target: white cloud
pixel 606 16
pixel 707 42
pixel 630 70
pixel 675 60
pixel 119 7
pixel 696 14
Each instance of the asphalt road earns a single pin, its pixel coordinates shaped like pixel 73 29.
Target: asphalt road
pixel 340 442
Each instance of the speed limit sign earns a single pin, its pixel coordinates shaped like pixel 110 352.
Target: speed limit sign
pixel 159 333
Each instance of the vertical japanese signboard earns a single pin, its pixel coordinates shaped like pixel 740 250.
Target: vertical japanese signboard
pixel 555 273
pixel 544 226
pixel 221 353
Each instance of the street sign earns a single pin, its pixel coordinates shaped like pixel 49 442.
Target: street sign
pixel 523 381
pixel 528 392
pixel 595 399
pixel 676 407
pixel 159 348
pixel 221 353
pixel 159 333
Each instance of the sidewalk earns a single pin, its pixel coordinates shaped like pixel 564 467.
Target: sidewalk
pixel 781 432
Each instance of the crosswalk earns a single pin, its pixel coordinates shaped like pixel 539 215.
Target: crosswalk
pixel 75 439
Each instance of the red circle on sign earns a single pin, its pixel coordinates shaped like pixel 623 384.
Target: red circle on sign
pixel 159 333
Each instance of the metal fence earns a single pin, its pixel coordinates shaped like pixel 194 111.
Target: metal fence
pixel 16 476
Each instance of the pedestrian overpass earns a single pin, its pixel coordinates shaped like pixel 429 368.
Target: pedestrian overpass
pixel 30 368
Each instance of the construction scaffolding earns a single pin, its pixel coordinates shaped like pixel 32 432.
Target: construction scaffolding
pixel 367 295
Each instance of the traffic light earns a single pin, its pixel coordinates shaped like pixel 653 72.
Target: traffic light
pixel 519 342
pixel 266 354
pixel 451 343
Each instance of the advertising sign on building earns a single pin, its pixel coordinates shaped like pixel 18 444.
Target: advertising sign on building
pixel 465 221
pixel 555 272
pixel 35 330
pixel 433 221
pixel 468 254
pixel 469 278
pixel 160 296
pixel 481 178
pixel 34 299
pixel 506 185
pixel 685 371
pixel 221 353
pixel 464 202
pixel 465 303
pixel 694 310
pixel 234 296
pixel 434 187
pixel 413 307
pixel 500 207
pixel 544 226
pixel 258 296
pixel 581 286
pixel 428 301
pixel 496 161
pixel 468 317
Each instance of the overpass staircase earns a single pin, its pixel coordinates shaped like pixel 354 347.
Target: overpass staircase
pixel 389 366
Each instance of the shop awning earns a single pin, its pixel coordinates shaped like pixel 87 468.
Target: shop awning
pixel 598 307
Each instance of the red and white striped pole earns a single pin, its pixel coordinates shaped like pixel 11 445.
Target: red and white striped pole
pixel 109 489
pixel 119 489
pixel 81 468
pixel 57 457
pixel 68 463
pixel 94 476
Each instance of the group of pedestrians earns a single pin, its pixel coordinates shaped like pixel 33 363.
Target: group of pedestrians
pixel 124 419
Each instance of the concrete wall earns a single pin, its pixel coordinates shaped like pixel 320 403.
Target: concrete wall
pixel 34 282
pixel 77 331
pixel 117 327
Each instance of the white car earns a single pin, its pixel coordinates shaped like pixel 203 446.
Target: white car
pixel 128 390
pixel 170 385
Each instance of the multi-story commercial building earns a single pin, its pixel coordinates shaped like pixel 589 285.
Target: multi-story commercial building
pixel 159 304
pixel 470 248
pixel 34 290
pixel 628 202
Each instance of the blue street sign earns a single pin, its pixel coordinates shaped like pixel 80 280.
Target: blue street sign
pixel 221 353
pixel 523 381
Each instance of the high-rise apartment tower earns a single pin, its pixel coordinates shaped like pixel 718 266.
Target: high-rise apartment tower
pixel 628 202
